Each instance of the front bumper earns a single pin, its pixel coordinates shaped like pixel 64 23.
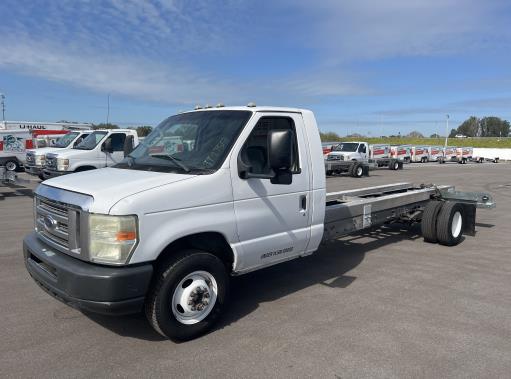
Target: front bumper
pixel 33 170
pixel 87 286
pixel 47 174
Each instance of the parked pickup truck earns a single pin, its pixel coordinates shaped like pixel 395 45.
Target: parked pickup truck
pixel 102 148
pixel 163 230
pixel 35 158
pixel 357 158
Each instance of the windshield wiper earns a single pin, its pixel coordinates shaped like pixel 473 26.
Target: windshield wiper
pixel 175 160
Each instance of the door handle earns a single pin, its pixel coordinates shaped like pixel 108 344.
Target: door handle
pixel 303 203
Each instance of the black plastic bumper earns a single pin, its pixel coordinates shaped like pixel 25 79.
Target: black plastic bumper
pixel 99 289
pixel 48 174
pixel 33 170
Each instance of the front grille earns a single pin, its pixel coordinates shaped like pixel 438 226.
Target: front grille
pixel 58 224
pixel 51 162
pixel 333 157
pixel 30 157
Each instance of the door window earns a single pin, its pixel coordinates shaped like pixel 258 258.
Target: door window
pixel 118 141
pixel 255 152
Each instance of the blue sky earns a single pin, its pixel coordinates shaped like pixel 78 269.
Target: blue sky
pixel 372 67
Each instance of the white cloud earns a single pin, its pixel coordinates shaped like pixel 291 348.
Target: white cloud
pixel 367 29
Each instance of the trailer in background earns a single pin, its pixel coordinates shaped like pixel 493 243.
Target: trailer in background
pixel 450 155
pixel 401 152
pixel 420 154
pixel 464 154
pixel 435 153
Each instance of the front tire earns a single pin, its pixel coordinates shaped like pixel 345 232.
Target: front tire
pixel 188 295
pixel 11 165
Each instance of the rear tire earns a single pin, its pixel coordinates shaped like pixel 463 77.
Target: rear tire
pixel 329 173
pixel 169 308
pixel 429 221
pixel 450 224
pixel 41 176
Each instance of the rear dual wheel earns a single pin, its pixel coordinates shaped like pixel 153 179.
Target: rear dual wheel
pixel 443 222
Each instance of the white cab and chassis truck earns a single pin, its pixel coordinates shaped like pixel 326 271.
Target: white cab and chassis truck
pixel 163 230
pixel 35 158
pixel 101 148
pixel 357 158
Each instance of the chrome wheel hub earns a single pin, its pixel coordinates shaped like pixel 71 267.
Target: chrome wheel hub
pixel 194 297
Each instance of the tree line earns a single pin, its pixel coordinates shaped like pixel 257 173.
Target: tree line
pixel 482 127
pixel 472 127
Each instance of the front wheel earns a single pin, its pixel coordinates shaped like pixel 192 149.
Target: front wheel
pixel 11 165
pixel 188 295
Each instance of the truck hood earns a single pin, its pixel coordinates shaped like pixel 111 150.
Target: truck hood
pixel 68 153
pixel 45 150
pixel 109 185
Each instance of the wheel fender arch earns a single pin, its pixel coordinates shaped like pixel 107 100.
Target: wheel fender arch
pixel 212 242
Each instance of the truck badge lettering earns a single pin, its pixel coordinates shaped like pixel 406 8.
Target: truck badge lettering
pixel 277 252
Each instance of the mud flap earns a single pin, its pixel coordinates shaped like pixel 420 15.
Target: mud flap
pixel 470 220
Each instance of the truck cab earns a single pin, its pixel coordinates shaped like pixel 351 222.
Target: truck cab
pixel 349 151
pixel 35 158
pixel 101 148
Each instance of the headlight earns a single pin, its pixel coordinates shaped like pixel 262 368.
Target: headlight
pixel 62 164
pixel 39 160
pixel 112 238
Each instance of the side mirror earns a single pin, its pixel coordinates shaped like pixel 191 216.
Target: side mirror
pixel 128 145
pixel 281 150
pixel 107 146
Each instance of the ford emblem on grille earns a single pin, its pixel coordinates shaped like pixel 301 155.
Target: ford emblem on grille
pixel 49 223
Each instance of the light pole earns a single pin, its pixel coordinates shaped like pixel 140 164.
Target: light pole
pixel 446 129
pixel 2 96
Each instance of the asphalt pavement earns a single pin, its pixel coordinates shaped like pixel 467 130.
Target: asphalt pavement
pixel 377 304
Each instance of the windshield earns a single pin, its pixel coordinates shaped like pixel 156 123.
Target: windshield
pixel 66 140
pixel 91 141
pixel 348 147
pixel 195 143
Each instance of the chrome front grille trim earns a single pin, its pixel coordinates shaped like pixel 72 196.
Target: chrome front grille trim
pixel 62 220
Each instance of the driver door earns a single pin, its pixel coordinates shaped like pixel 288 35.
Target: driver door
pixel 273 220
pixel 118 149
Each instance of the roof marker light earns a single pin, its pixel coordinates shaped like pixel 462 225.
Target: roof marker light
pixel 251 105
pixel 197 107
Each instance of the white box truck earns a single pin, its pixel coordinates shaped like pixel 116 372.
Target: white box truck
pixel 163 232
